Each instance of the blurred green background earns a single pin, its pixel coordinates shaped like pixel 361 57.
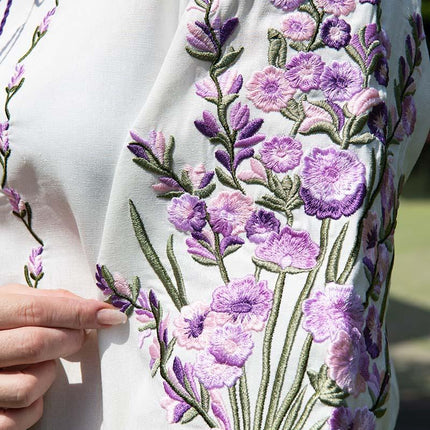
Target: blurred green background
pixel 409 311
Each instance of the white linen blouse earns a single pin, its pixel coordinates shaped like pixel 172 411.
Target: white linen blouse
pixel 295 123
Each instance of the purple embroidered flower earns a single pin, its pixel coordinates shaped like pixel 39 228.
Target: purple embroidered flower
pixel 257 172
pixel 230 83
pixel 333 183
pixel 231 345
pixel 156 144
pixel 304 71
pixel 200 39
pixel 15 200
pixel 4 137
pixel 194 326
pixel 299 26
pixel 35 266
pixel 281 154
pixel 378 384
pixel 220 411
pixel 248 135
pixel 239 116
pixel 336 308
pixel 419 25
pixel 269 89
pixel 187 213
pixel 336 33
pixel 154 348
pixel 345 419
pixel 260 225
pixel 17 76
pixel 44 25
pixel 144 315
pixel 371 225
pixel 287 5
pixel 199 250
pixel 166 185
pixel 373 333
pixel 229 212
pixel 363 101
pixel 244 301
pixel 289 249
pixel 213 374
pixel 314 115
pixel 208 126
pixel 382 72
pixel 341 81
pixel 409 115
pixel 198 175
pixel 348 362
pixel 337 7
pixel 377 122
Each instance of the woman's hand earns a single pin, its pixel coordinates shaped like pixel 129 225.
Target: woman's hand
pixel 36 328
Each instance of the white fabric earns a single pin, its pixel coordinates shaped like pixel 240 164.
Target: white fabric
pixel 105 68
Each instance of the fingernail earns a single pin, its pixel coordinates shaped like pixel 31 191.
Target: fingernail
pixel 111 317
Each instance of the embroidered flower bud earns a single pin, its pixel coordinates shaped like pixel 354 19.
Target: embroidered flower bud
pixel 257 172
pixel 153 299
pixel 363 101
pixel 15 200
pixel 209 126
pixel 44 25
pixel 198 37
pixel 239 116
pixel 35 261
pixel 4 138
pixel 230 82
pixel 17 76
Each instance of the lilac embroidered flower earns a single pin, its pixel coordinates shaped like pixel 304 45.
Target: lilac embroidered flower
pixel 333 183
pixel 208 126
pixel 154 348
pixel 289 249
pixel 166 185
pixel 199 39
pixel 187 213
pixel 304 71
pixel 299 26
pixel 15 200
pixel 197 249
pixel 348 362
pixel 257 172
pixel 363 101
pixel 44 25
pixel 231 345
pixel 230 82
pixel 4 137
pixel 194 326
pixel 229 212
pixel 17 76
pixel 260 225
pixel 144 315
pixel 314 115
pixel 336 308
pixel 198 175
pixel 389 197
pixel 269 89
pixel 345 419
pixel 336 32
pixel 213 374
pixel 409 115
pixel 377 122
pixel 156 144
pixel 378 384
pixel 337 7
pixel 341 81
pixel 281 154
pixel 373 333
pixel 35 266
pixel 121 287
pixel 245 301
pixel 239 116
pixel 382 72
pixel 248 136
pixel 287 5
pixel 220 411
pixel 371 226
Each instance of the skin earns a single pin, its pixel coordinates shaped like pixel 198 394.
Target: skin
pixel 36 328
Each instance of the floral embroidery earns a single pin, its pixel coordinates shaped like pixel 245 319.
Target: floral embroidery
pixel 219 216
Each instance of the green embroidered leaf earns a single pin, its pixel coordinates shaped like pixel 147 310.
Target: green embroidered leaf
pixel 205 192
pixel 149 167
pixel 213 100
pixel 319 425
pixel 379 413
pixel 170 348
pixel 186 183
pixel 224 178
pixel 353 53
pixel 205 397
pixel 27 277
pixel 204 56
pixel 229 250
pixel 254 181
pixel 269 205
pixel 204 261
pixel 298 46
pixel 227 60
pixel 108 278
pixel 148 326
pixel 135 288
pixel 189 416
pixel 219 139
pixel 168 153
pixel 327 128
pixel 155 367
pixel 151 256
pixel 170 194
pixel 274 268
pixel 176 271
pixel 227 100
pixel 358 124
pixel 310 9
pixel 277 55
pixel 287 183
pixel 334 257
pixel 201 3
pixel 363 139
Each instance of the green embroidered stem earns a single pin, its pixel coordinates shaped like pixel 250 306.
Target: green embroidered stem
pixel 152 257
pixel 35 40
pixel 4 167
pixel 244 401
pixel 317 29
pixel 176 271
pixel 294 326
pixel 295 387
pixel 294 412
pixel 28 223
pixel 386 291
pixel 234 407
pixel 267 347
pixel 307 411
pixel 220 260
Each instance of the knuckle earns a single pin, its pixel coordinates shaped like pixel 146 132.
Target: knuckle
pixel 33 345
pixel 24 389
pixel 33 313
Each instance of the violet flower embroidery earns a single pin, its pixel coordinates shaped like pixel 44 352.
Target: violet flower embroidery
pixel 281 154
pixel 33 271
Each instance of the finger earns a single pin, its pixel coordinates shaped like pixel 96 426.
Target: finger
pixel 27 345
pixel 21 419
pixel 19 310
pixel 26 290
pixel 21 389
